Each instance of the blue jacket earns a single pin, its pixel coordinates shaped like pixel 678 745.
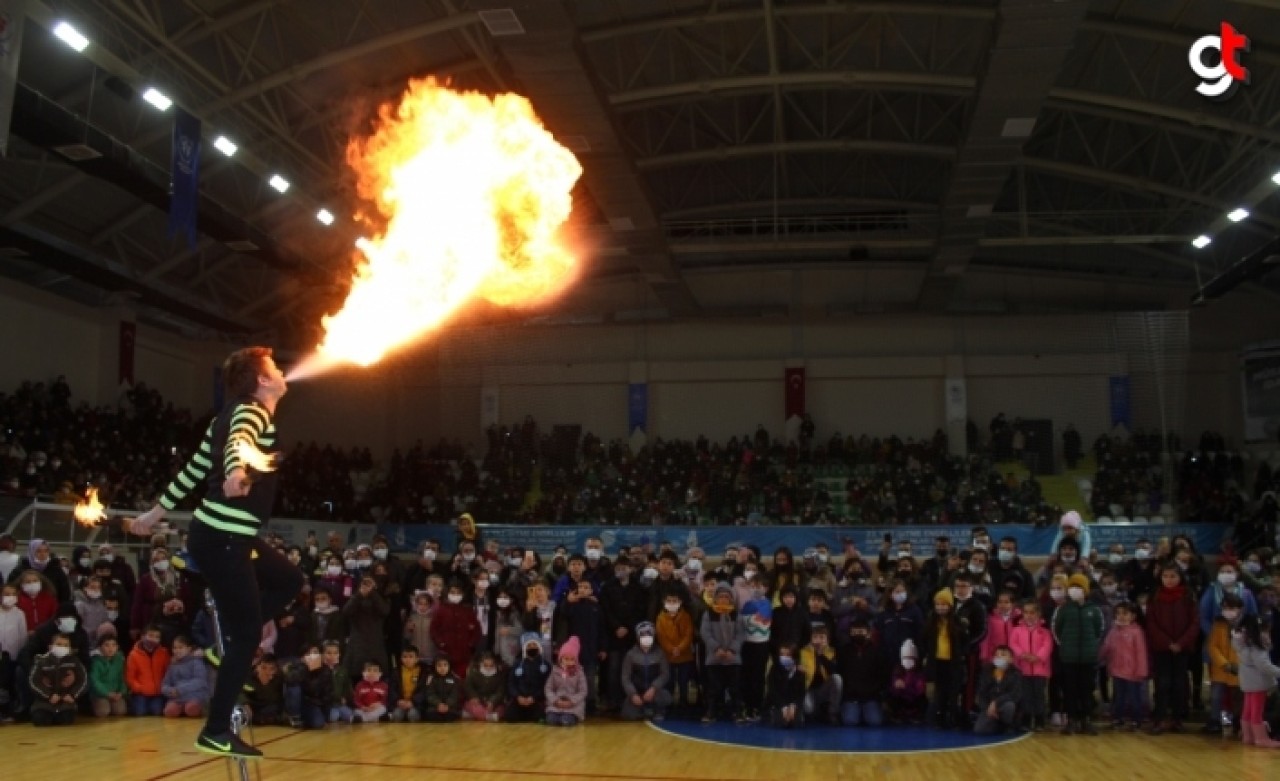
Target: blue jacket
pixel 1211 605
pixel 190 676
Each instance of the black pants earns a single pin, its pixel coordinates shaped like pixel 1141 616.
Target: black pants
pixel 1077 689
pixel 723 682
pixel 248 591
pixel 948 686
pixel 755 665
pixel 52 717
pixel 1170 686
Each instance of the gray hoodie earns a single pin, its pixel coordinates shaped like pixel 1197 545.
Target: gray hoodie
pixel 1257 673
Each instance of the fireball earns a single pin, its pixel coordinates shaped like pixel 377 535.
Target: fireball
pixel 89 511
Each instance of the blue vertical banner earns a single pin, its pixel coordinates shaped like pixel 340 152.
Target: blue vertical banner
pixel 1121 402
pixel 638 407
pixel 184 172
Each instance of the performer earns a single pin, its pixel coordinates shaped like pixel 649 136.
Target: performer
pixel 250 581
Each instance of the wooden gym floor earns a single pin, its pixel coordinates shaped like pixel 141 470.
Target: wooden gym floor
pixel 151 749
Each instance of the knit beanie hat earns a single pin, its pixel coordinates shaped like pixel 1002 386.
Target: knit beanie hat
pixel 645 629
pixel 1079 580
pixel 1071 519
pixel 571 647
pixel 945 597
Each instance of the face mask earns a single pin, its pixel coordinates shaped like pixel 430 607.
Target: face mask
pixel 622 575
pixel 468 557
pixel 646 642
pixel 1109 590
pixel 1055 593
pixel 824 558
pixel 66 625
pixel 59 651
pixel 112 615
pixel 672 608
pixel 312 550
pixel 108 557
pixel 694 565
pixel 322 606
pixel 493 578
pixel 533 653
pixel 981 544
pixel 85 562
pixel 1142 554
pixel 363 563
pixel 434 591
pixel 1183 565
pixel 160 566
pixel 380 554
pixel 455 599
pixel 372 677
pixel 488 672
pixel 482 585
pixel 1006 556
pixel 593 554
pixel 31 589
pixel 311 658
pixel 429 554
pixel 1227 578
pixel 93 593
pixel 900 597
pixel 904 554
pixel 1115 558
pixel 976 569
pixel 748 573
pixel 787 662
pixel 9 600
pixel 1076 593
pixel 1000 662
pixel 514 561
pixel 650 573
pixel 334 570
pixel 908 663
pixel 1068 558
pixel 1231 615
pixel 1252 567
pixel 504 601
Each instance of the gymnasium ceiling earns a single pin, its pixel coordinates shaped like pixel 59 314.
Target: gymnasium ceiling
pixel 752 158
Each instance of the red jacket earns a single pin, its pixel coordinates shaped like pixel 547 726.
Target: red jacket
pixel 455 631
pixel 370 694
pixel 38 610
pixel 144 672
pixel 1172 620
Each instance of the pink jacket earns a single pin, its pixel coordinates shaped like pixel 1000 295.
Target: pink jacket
pixel 1036 640
pixel 1124 651
pixel 998 631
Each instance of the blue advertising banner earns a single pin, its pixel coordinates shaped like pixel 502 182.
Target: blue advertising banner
pixel 713 540
pixel 184 172
pixel 1121 402
pixel 638 407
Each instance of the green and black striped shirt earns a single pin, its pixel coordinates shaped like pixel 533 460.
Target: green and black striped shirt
pixel 244 420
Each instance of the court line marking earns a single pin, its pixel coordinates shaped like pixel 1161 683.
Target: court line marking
pixel 203 762
pixel 853 752
pixel 494 771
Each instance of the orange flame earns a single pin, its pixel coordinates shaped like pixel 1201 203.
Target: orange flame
pixel 254 458
pixel 89 511
pixel 473 191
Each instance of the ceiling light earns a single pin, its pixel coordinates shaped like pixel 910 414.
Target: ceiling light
pixel 1201 242
pixel 1276 179
pixel 325 216
pixel 225 145
pixel 157 98
pixel 280 183
pixel 1238 215
pixel 71 36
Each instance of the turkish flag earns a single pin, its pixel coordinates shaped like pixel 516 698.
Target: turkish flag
pixel 794 379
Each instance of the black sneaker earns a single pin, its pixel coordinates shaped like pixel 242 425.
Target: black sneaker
pixel 226 745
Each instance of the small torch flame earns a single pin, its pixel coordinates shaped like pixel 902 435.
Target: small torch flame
pixel 254 458
pixel 89 511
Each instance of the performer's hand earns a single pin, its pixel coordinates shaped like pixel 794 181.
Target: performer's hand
pixel 236 484
pixel 142 525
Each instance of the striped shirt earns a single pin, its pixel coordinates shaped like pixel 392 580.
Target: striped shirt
pixel 245 420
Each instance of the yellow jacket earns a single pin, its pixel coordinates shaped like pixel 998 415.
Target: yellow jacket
pixel 1221 652
pixel 809 666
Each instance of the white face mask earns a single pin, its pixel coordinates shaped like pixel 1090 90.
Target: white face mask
pixel 646 642
pixel 1142 554
pixel 1076 593
pixel 650 573
pixel 976 569
pixel 504 601
pixel 31 589
pixel 9 600
pixel 593 554
pixel 908 663
pixel 694 565
pixel 311 658
pixel 66 625
pixel 429 554
pixel 748 573
pixel 92 593
pixel 493 578
pixel 1056 593
pixel 334 570
pixel 488 672
pixel 1000 662
pixel 107 557
pixel 85 562
pixel 380 554
pixel 112 615
pixel 160 566
pixel 468 557
pixel 312 551
pixel 514 561
pixel 59 651
pixel 455 599
pixel 482 585
pixel 1227 578
pixel 672 609
pixel 1115 558
pixel 900 597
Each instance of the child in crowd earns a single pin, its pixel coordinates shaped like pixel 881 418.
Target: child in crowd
pixel 1173 624
pixel 327 622
pixel 1078 627
pixel 970 611
pixel 906 695
pixel 1004 617
pixel 508 625
pixel 264 693
pixel 13 636
pixel 785 696
pixel 899 620
pixel 790 624
pixel 1124 652
pixel 144 673
pixel 999 692
pixel 1050 600
pixel 316 687
pixel 1224 666
pixel 1258 675
pixel 722 636
pixel 862 673
pixel 824 686
pixel 819 613
pixel 566 688
pixel 107 691
pixel 757 621
pixel 455 630
pixel 186 681
pixel 583 621
pixel 406 687
pixel 417 626
pixel 484 691
pixel 645 671
pixel 674 630
pixel 527 680
pixel 370 696
pixel 57 680
pixel 540 616
pixel 944 658
pixel 340 693
pixel 443 692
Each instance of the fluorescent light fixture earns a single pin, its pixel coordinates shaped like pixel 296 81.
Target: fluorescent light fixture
pixel 71 36
pixel 1238 215
pixel 1276 179
pixel 157 98
pixel 225 145
pixel 325 216
pixel 1201 242
pixel 280 183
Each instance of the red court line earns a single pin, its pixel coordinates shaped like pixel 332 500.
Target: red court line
pixel 203 762
pixel 491 771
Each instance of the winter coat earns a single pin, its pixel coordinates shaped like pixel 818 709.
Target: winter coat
pixel 971 617
pixel 456 632
pixel 1124 652
pixel 790 626
pixel 446 689
pixel 817 668
pixel 1257 672
pixel 674 635
pixel 149 601
pixel 489 690
pixel 190 676
pixel 413 690
pixel 643 670
pixel 862 670
pixel 367 695
pixel 998 630
pixel 1211 604
pixel 263 697
pixel 1006 689
pixel 584 622
pixel 93 612
pixel 933 634
pixel 784 687
pixel 507 628
pixel 367 643
pixel 529 679
pixel 144 672
pixel 51 675
pixel 38 609
pixel 1222 652
pixel 1171 620
pixel 106 676
pixel 623 606
pixel 317 688
pixel 722 632
pixel 417 631
pixel 339 686
pixel 1035 640
pixel 1078 630
pixel 913 684
pixel 896 625
pixel 572 686
pixel 13 631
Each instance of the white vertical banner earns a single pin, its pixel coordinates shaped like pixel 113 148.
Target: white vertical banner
pixel 957 400
pixel 490 410
pixel 12 15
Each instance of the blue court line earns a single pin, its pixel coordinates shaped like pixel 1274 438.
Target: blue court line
pixel 841 740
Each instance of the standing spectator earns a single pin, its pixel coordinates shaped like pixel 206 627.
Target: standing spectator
pixel 722 637
pixel 1173 624
pixel 364 614
pixel 1078 627
pixel 1124 652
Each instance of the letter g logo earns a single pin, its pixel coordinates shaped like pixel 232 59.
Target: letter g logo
pixel 1219 81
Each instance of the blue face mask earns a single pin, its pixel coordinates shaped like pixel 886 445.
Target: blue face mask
pixel 787 662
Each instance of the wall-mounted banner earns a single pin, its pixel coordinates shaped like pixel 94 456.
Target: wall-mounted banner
pixel 794 390
pixel 184 173
pixel 490 407
pixel 957 400
pixel 1260 376
pixel 637 407
pixel 1121 402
